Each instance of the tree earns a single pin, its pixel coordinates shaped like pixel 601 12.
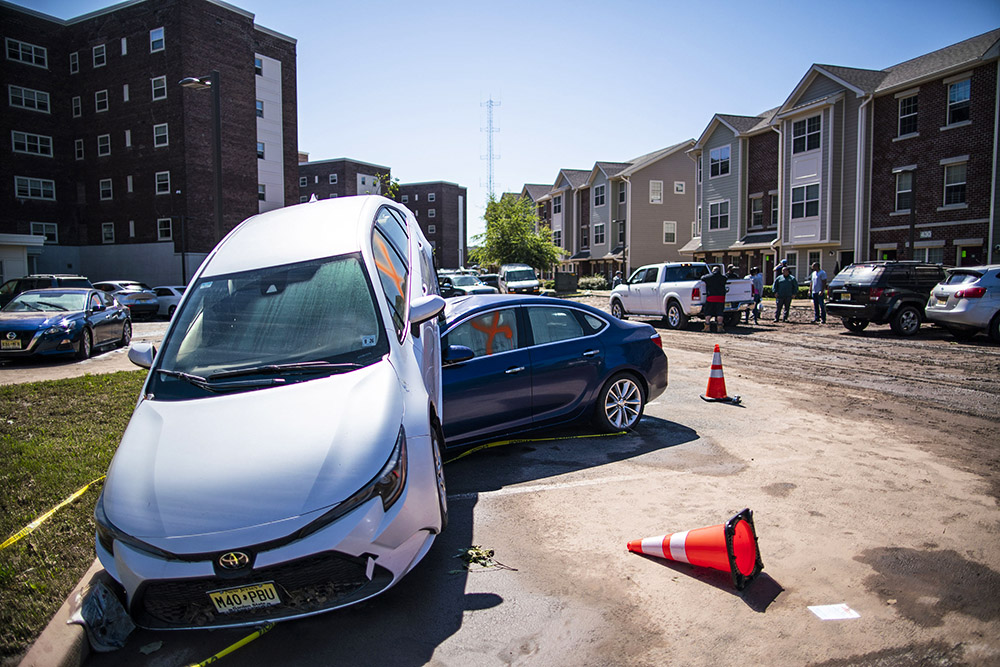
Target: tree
pixel 388 187
pixel 510 236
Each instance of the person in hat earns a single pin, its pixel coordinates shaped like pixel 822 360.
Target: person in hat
pixel 617 280
pixel 777 269
pixel 715 297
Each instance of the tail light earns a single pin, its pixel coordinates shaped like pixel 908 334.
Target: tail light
pixel 695 293
pixel 657 340
pixel 971 293
pixel 875 292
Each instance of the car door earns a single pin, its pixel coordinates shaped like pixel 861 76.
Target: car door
pixel 492 391
pixel 98 315
pixel 649 291
pixel 567 361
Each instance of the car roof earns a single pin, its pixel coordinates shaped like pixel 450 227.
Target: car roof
pixel 60 290
pixel 460 307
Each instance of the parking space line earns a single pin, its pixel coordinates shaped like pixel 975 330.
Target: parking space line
pixel 535 488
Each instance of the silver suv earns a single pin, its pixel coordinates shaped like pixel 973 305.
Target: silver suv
pixel 967 302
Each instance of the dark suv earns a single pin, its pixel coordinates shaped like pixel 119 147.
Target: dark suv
pixel 15 286
pixel 880 292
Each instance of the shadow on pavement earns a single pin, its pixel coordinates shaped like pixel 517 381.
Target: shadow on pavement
pixel 758 595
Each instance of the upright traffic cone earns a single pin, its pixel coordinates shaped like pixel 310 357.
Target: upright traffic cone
pixel 717 382
pixel 730 547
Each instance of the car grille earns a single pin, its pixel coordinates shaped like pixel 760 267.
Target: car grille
pixel 307 585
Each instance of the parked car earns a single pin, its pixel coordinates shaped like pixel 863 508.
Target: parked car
pixel 967 302
pixel 518 279
pixel 491 279
pixel 62 321
pixel 15 286
pixel 893 292
pixel 138 297
pixel 284 457
pixel 168 297
pixel 513 363
pixel 463 285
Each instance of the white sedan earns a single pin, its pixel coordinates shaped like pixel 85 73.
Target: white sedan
pixel 169 296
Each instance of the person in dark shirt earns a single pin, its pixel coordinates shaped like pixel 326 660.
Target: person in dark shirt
pixel 715 298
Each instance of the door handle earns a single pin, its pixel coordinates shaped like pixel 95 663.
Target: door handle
pixel 515 369
pixel 591 353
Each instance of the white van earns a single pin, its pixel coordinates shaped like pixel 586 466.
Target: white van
pixel 518 279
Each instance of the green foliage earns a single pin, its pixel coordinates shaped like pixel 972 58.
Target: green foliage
pixel 803 292
pixel 388 187
pixel 593 282
pixel 510 236
pixel 549 284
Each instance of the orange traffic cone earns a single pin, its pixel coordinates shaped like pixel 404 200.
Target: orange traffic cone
pixel 717 382
pixel 730 547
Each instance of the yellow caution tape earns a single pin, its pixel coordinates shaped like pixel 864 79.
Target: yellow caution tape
pixel 240 644
pixel 40 520
pixel 501 443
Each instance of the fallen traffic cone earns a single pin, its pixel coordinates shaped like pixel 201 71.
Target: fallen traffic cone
pixel 717 383
pixel 730 547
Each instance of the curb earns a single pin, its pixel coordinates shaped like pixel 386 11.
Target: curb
pixel 63 644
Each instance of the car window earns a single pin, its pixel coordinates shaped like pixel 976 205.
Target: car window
pixel 549 325
pixel 864 274
pixel 961 278
pixel 489 333
pixel 929 276
pixel 8 288
pixel 394 276
pixel 395 231
pixel 673 273
pixel 106 299
pixel 163 291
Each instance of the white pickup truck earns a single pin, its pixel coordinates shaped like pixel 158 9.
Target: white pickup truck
pixel 675 292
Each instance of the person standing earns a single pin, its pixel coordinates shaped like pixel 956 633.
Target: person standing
pixel 777 269
pixel 617 280
pixel 756 278
pixel 817 288
pixel 715 297
pixel 785 287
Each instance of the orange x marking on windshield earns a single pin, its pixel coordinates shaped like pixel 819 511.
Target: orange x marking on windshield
pixel 491 330
pixel 386 266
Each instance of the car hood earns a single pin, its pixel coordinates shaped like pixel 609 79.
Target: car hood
pixel 234 461
pixel 21 321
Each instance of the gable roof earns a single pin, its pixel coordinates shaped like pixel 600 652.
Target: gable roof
pixel 535 191
pixel 575 177
pixel 644 161
pixel 740 126
pixel 969 52
pixel 612 168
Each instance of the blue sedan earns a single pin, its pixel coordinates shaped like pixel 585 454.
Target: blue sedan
pixel 62 320
pixel 513 363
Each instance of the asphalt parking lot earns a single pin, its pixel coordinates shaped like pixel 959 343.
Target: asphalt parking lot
pixel 871 465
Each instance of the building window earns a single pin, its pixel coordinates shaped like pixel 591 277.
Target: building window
pixel 557 238
pixel 49 230
pixel 718 161
pixel 164 229
pixel 107 192
pixel 78 149
pixel 954 184
pixel 622 192
pixel 908 115
pixel 333 179
pixel 104 145
pixel 124 46
pixel 163 182
pixel 669 232
pixel 261 192
pixel 156 40
pixel 128 183
pixel 303 199
pixel 814 258
pixel 656 192
pixel 403 198
pixel 929 255
pixel 161 135
pixel 131 229
pixel 364 180
pixel 718 215
pixel 805 201
pixel 29 54
pixel 260 150
pixel 598 233
pixel 806 134
pixel 74 62
pixel 757 212
pixel 34 188
pixel 101 101
pixel 260 108
pixel 432 229
pixel 958 102
pixel 27 98
pixel 77 107
pixel 100 56
pixel 793 262
pixel 904 190
pixel 128 138
pixel 557 204
pixel 334 195
pixel 431 196
pixel 699 168
pixel 697 223
pixel 303 180
pixel 258 66
pixel 31 144
pixel 432 213
pixel 159 87
pixel 774 209
pixel 125 93
pixel 598 195
pixel 108 232
pixel 621 232
pixel 679 187
pixel 585 237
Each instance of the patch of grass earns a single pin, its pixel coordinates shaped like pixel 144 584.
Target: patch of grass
pixel 55 437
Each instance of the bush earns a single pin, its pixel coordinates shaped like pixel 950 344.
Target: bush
pixel 803 292
pixel 593 282
pixel 549 284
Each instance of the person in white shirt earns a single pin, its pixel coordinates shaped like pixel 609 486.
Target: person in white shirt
pixel 817 287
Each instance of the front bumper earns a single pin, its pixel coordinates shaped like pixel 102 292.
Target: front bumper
pixel 41 344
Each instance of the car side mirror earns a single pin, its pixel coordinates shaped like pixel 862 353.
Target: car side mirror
pixel 141 354
pixel 456 354
pixel 422 309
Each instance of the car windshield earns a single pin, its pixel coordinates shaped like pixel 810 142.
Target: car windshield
pixel 56 302
pixel 520 274
pixel 464 281
pixel 305 313
pixel 858 273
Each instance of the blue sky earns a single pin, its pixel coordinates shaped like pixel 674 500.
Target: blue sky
pixel 403 84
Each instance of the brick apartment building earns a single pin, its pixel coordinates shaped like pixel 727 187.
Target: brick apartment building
pixel 340 177
pixel 441 209
pixel 109 159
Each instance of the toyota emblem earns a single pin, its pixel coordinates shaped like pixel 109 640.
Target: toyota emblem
pixel 234 560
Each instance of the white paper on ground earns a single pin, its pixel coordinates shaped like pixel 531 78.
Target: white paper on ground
pixel 834 612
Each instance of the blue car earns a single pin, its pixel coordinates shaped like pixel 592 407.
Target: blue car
pixel 513 363
pixel 62 321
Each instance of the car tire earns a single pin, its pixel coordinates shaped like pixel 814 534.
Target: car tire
pixel 994 329
pixel 620 403
pixel 906 321
pixel 618 310
pixel 170 312
pixel 730 319
pixel 855 324
pixel 86 345
pixel 442 491
pixel 126 334
pixel 675 317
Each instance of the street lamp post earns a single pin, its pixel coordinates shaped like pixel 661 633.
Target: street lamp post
pixel 912 171
pixel 201 83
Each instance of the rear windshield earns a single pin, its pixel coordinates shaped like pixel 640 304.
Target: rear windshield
pixel 957 278
pixel 863 274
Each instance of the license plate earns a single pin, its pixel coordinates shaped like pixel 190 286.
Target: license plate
pixel 845 297
pixel 229 600
pixel 729 305
pixel 942 302
pixel 10 345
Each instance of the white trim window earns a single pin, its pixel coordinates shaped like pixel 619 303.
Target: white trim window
pixel 774 209
pixel 904 190
pixel 669 232
pixel 106 189
pixel 164 229
pixel 159 85
pixel 78 148
pixel 557 238
pixel 432 229
pixel 908 115
pixel 28 98
pixel 261 192
pixel 103 145
pixel 162 180
pixel 157 41
pixel 599 199
pixel 26 187
pixel 718 215
pixel 806 134
pixel 74 62
pixel 403 198
pixel 931 255
pixel 599 233
pixel 259 108
pixel 161 135
pixel 432 213
pixel 260 150
pixel 954 184
pixel 557 204
pixel 258 66
pixel 431 196
pixel 700 164
pixel 303 181
pixel 793 262
pixel 303 199
pixel 622 192
pixel 679 187
pixel 49 230
pixel 124 46
pixel 697 224
pixel 718 161
pixel 26 53
pixel 805 201
pixel 125 93
pixel 31 144
pixel 101 101
pixel 757 212
pixel 333 179
pixel 128 138
pixel 77 104
pixel 100 56
pixel 959 101
pixel 107 232
pixel 656 192
pixel 128 183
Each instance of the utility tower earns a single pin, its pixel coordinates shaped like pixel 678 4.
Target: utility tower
pixel 490 130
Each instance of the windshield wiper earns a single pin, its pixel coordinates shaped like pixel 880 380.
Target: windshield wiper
pixel 196 380
pixel 282 369
pixel 208 385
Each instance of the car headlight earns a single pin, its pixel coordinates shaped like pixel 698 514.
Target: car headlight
pixel 387 484
pixel 63 327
